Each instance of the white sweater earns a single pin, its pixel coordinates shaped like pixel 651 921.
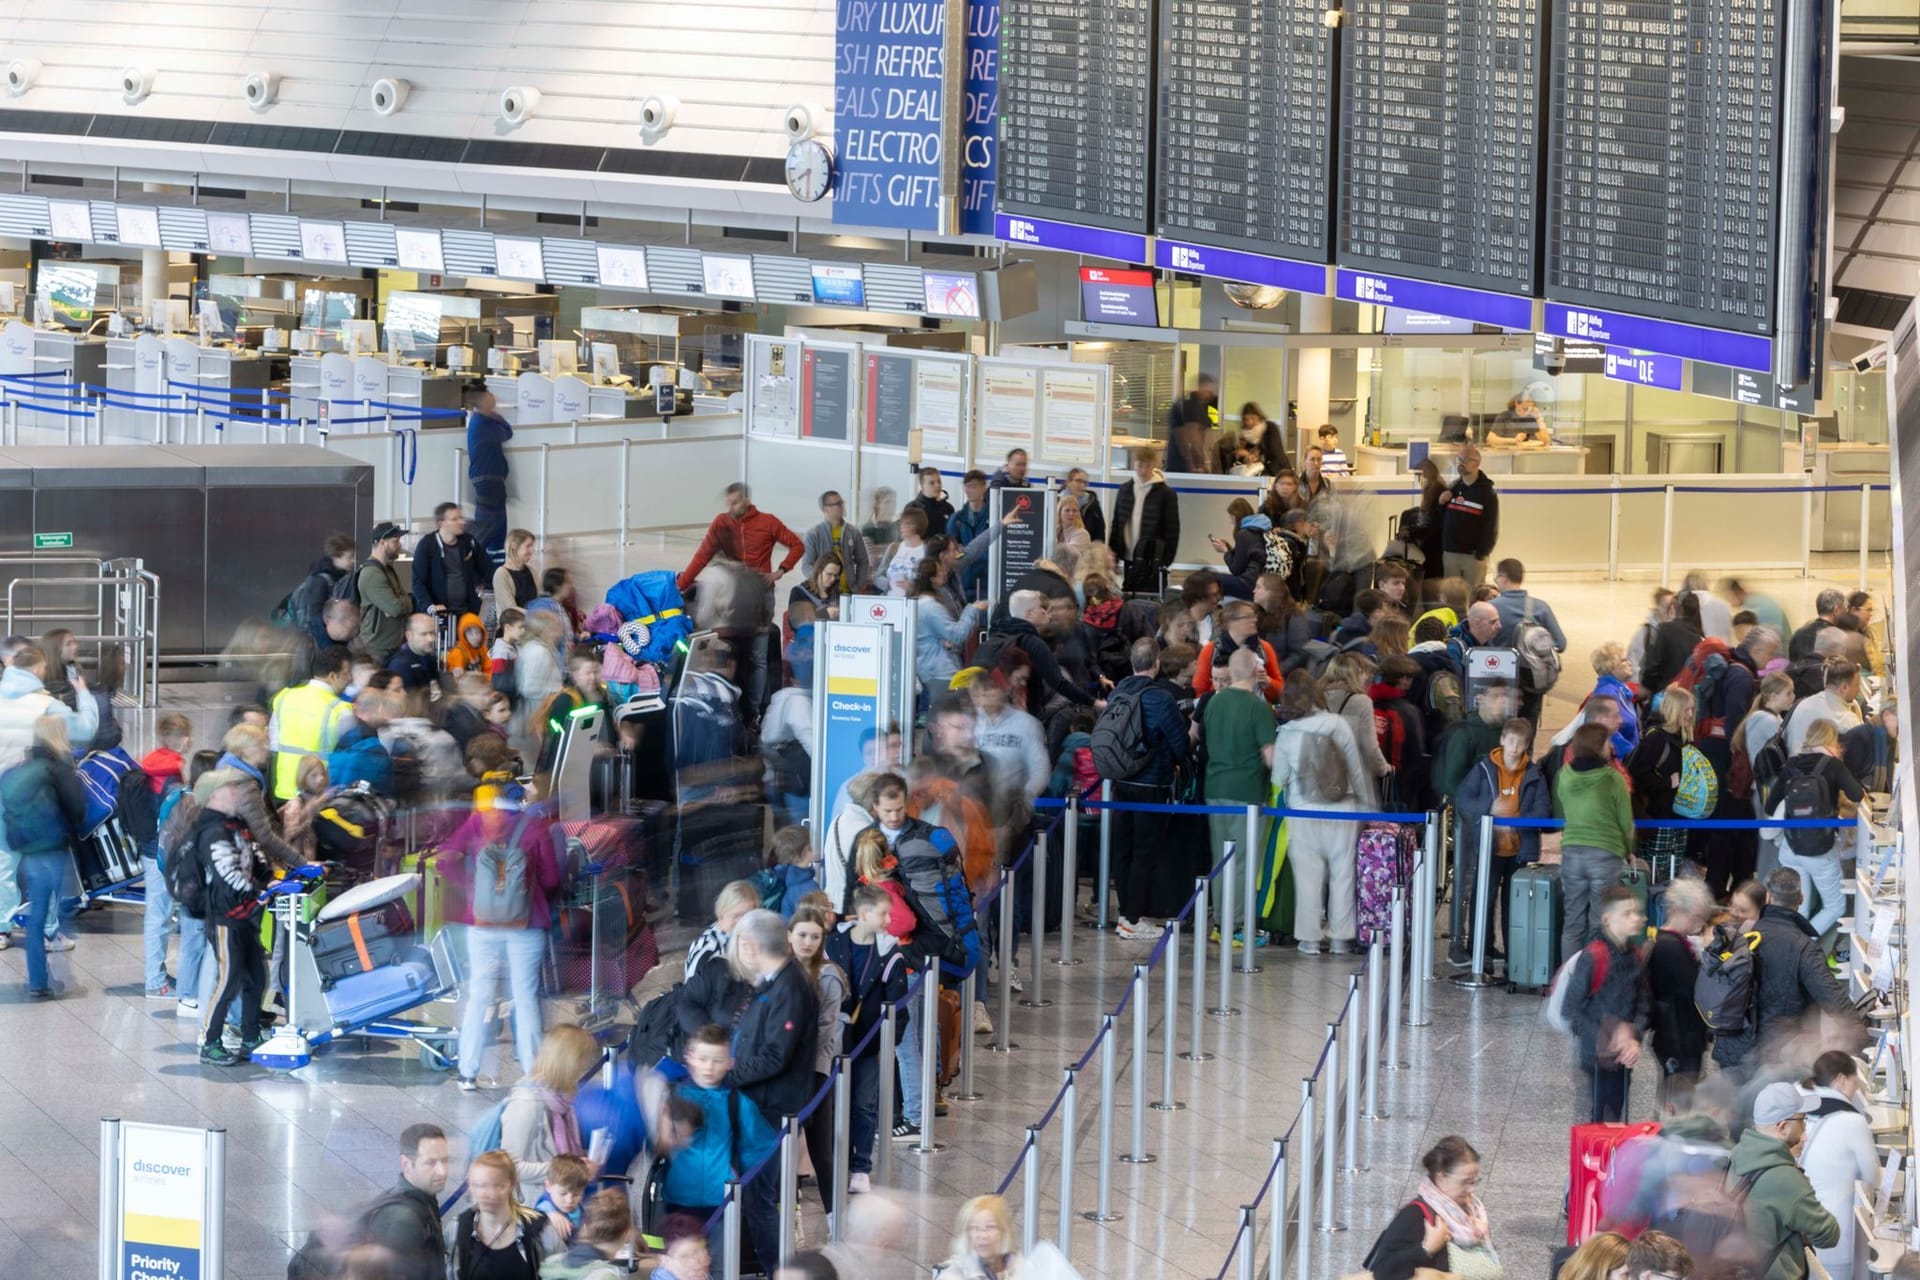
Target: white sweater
pixel 1838 1152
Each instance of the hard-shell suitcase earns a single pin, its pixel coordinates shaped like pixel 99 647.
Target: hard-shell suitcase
pixel 106 858
pixel 1381 864
pixel 363 941
pixel 1533 907
pixel 1592 1149
pixel 382 992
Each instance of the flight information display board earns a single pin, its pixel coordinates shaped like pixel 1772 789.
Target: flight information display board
pixel 1439 126
pixel 1075 104
pixel 1663 175
pixel 1246 124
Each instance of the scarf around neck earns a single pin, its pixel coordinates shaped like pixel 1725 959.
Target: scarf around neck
pixel 1468 1225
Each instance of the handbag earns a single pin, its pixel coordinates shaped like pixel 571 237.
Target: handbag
pixel 1474 1262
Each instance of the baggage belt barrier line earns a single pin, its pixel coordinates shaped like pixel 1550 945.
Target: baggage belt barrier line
pixel 1235 810
pixel 1693 824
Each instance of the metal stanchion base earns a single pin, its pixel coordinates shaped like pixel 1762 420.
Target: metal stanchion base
pixel 1223 1012
pixel 1364 1115
pixel 1357 1169
pixel 1167 1106
pixel 1474 981
pixel 1094 1215
pixel 1332 1230
pixel 1036 1004
pixel 1070 964
pixel 1145 1157
pixel 998 1047
pixel 967 1097
pixel 1252 968
pixel 935 1149
pixel 1201 1056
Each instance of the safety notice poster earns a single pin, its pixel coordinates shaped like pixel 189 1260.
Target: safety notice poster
pixel 1008 404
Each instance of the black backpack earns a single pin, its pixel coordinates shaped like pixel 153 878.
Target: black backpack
pixel 1120 735
pixel 1723 992
pixel 1769 767
pixel 186 866
pixel 348 588
pixel 300 608
pixel 1805 793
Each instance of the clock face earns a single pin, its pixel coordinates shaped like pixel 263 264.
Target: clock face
pixel 809 170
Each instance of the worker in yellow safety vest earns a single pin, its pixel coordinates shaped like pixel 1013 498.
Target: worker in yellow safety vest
pixel 308 719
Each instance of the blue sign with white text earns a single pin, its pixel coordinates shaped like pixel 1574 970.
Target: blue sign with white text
pixel 1235 264
pixel 1503 310
pixel 888 104
pixel 1643 369
pixel 982 117
pixel 1690 341
pixel 1069 237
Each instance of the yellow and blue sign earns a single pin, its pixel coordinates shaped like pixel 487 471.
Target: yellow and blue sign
pixel 163 1204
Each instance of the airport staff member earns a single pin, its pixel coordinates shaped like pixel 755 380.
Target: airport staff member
pixel 1522 425
pixel 308 719
pixel 487 436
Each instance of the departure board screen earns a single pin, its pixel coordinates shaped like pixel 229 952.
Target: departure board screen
pixel 1246 124
pixel 1075 110
pixel 1439 124
pixel 1663 172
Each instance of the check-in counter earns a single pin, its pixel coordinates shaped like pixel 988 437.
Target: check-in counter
pixel 1495 460
pixel 81 358
pixel 1836 514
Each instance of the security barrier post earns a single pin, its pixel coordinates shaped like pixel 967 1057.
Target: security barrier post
pixel 1170 1018
pixel 930 1057
pixel 1068 1123
pixel 1482 910
pixel 1356 1029
pixel 1069 882
pixel 883 1150
pixel 1305 1237
pixel 842 1145
pixel 1137 1154
pixel 1103 889
pixel 1003 1029
pixel 1330 1131
pixel 1194 1053
pixel 1034 998
pixel 1030 1197
pixel 1103 1210
pixel 969 997
pixel 1277 1214
pixel 1225 1009
pixel 1250 888
pixel 1376 961
pixel 730 1233
pixel 789 1185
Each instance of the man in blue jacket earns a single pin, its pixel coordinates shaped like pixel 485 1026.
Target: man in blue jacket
pixel 1141 858
pixel 487 436
pixel 968 523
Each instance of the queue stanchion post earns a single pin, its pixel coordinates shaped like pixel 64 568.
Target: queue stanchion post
pixel 1356 1033
pixel 1376 961
pixel 1277 1214
pixel 1457 907
pixel 1396 975
pixel 1068 1123
pixel 1069 880
pixel 1002 1041
pixel 889 1063
pixel 1103 1183
pixel 842 1146
pixel 1245 1242
pixel 1035 998
pixel 929 1031
pixel 1169 1019
pixel 1482 909
pixel 1030 1194
pixel 1194 1052
pixel 1104 888
pixel 730 1233
pixel 1250 860
pixel 1137 1153
pixel 1304 1238
pixel 969 997
pixel 1330 1132
pixel 789 1186
pixel 1225 1009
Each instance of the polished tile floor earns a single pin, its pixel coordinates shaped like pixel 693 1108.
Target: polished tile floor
pixel 322 1141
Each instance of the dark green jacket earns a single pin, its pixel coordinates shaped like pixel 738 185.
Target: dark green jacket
pixel 1470 740
pixel 1780 1204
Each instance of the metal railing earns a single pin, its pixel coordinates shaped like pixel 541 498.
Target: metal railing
pixel 125 613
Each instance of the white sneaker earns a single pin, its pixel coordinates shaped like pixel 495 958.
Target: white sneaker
pixel 1139 930
pixel 859 1184
pixel 982 1021
pixel 1013 980
pixel 59 942
pixel 187 1009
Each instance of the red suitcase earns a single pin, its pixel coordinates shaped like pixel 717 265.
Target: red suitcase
pixel 1593 1149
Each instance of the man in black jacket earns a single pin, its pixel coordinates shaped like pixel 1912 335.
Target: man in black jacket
pixel 773 1053
pixel 1145 532
pixel 1146 871
pixel 1028 611
pixel 1790 977
pixel 1470 522
pixel 449 569
pixel 932 499
pixel 405 1222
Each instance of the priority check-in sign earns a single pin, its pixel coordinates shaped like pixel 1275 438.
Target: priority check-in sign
pixel 162 1191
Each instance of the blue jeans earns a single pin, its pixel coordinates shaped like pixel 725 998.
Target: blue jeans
pixel 157 925
pixel 192 975
pixel 12 897
pixel 40 876
pixel 866 1112
pixel 519 952
pixel 907 1053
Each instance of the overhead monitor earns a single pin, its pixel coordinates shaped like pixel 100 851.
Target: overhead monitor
pixel 1118 297
pixel 1401 320
pixel 839 284
pixel 229 233
pixel 952 293
pixel 69 220
pixel 417 249
pixel 727 275
pixel 518 258
pixel 622 267
pixel 138 225
pixel 323 241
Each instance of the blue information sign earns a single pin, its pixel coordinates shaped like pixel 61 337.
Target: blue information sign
pixel 1644 369
pixel 889 100
pixel 1689 341
pixel 1478 305
pixel 1068 237
pixel 847 697
pixel 1234 264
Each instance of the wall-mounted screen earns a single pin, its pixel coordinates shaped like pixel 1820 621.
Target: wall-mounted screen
pixel 69 220
pixel 323 241
pixel 622 267
pixel 418 250
pixel 138 225
pixel 1118 297
pixel 229 233
pixel 838 284
pixel 727 275
pixel 1401 320
pixel 518 258
pixel 952 293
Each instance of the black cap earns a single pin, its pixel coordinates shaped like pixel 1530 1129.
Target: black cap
pixel 386 529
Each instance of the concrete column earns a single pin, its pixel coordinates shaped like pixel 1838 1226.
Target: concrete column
pixel 153 279
pixel 1314 387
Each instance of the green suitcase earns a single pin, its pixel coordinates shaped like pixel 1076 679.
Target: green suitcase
pixel 1533 907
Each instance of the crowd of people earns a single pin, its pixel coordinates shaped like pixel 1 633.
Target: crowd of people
pixel 1309 671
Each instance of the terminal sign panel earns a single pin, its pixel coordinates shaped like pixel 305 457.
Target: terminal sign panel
pixel 1665 135
pixel 1246 125
pixel 1075 102
pixel 1439 125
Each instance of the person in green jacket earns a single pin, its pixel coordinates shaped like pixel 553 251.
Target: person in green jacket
pixel 1598 842
pixel 1784 1216
pixel 385 605
pixel 1240 727
pixel 1467 743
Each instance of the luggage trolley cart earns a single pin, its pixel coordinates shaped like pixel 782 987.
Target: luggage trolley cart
pixel 355 968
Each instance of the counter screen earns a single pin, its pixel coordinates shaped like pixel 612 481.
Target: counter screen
pixel 952 293
pixel 1118 297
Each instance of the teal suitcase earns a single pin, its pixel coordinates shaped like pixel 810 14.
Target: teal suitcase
pixel 1533 905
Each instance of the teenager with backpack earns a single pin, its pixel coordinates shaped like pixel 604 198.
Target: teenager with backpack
pixel 221 875
pixel 1760 760
pixel 45 808
pixel 1817 784
pixel 502 872
pixel 1607 1004
pixel 161 771
pixel 498 1238
pixel 1139 741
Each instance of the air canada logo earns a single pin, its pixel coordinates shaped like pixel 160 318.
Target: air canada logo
pixel 878 612
pixel 1022 503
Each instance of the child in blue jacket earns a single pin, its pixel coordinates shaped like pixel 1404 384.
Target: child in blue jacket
pixel 732 1136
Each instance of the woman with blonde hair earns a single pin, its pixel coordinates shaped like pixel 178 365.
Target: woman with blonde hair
pixel 537 1122
pixel 1602 1256
pixel 1752 778
pixel 874 865
pixel 1655 769
pixel 1345 686
pixel 498 1238
pixel 982 1243
pixel 1390 636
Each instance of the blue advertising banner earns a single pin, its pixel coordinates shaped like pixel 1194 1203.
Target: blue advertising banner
pixel 889 99
pixel 982 117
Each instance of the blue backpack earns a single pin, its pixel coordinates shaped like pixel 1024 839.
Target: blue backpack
pixel 654 614
pixel 485 1134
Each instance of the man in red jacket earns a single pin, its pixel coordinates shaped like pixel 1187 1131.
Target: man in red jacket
pixel 748 534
